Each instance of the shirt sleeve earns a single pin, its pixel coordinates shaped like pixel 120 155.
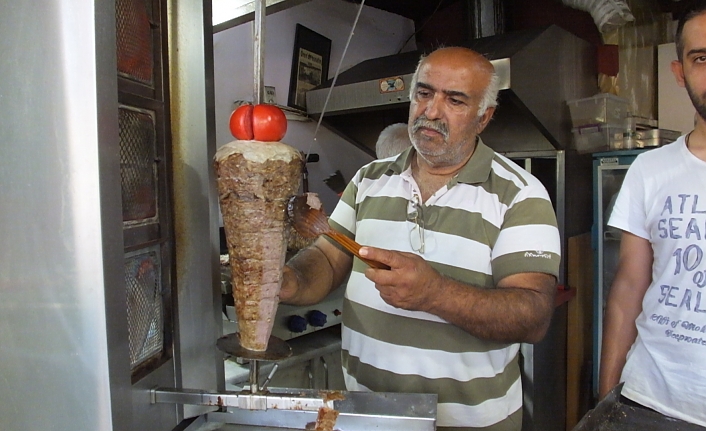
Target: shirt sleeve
pixel 529 239
pixel 343 217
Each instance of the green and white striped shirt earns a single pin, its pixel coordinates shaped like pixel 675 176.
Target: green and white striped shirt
pixel 492 220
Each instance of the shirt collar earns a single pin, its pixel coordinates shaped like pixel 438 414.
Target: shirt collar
pixel 476 170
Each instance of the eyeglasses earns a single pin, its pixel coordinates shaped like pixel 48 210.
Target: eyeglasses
pixel 416 232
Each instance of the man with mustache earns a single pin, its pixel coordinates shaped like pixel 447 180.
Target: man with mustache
pixel 654 333
pixel 473 250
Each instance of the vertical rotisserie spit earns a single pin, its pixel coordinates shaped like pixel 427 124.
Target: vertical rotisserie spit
pixel 255 181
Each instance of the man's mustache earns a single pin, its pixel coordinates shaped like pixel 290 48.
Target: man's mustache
pixel 435 125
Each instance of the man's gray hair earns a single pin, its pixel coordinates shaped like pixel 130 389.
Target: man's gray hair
pixel 392 140
pixel 490 98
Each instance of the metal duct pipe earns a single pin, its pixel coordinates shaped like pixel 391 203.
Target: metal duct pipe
pixel 607 14
pixel 484 18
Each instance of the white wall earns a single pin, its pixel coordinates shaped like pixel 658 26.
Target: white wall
pixel 377 34
pixel 676 112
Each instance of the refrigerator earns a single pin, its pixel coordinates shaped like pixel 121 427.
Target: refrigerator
pixel 609 170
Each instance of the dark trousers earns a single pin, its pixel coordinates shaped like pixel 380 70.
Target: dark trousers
pixel 617 413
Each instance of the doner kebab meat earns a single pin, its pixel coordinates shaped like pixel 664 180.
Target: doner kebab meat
pixel 255 181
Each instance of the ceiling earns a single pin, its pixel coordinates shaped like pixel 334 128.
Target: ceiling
pixel 230 13
pixel 416 10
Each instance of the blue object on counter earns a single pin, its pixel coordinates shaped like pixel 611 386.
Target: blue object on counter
pixel 296 323
pixel 317 318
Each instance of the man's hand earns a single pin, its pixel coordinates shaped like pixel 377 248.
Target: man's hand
pixel 517 310
pixel 410 284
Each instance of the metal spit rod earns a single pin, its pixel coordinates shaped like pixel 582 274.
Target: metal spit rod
pixel 259 52
pixel 254 371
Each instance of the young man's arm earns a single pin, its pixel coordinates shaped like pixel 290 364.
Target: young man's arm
pixel 624 305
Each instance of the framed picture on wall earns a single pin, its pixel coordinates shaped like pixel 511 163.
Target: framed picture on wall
pixel 310 61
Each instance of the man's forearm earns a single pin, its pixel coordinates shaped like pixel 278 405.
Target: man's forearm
pixel 503 314
pixel 619 333
pixel 312 277
pixel 624 304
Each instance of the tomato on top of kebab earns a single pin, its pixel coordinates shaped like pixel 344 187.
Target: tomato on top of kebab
pixel 263 122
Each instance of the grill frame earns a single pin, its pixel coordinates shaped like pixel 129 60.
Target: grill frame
pixel 153 233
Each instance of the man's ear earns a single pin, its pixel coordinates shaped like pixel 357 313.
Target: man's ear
pixel 485 119
pixel 678 71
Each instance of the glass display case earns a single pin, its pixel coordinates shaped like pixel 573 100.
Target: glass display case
pixel 609 169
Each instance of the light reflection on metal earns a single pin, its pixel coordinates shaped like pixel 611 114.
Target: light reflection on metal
pixel 230 13
pixel 259 52
pixel 243 400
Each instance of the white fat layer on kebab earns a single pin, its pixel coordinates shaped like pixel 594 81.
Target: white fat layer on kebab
pixel 256 151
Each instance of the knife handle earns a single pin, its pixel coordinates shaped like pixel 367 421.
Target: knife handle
pixel 354 247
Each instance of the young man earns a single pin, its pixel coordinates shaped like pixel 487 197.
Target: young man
pixel 473 248
pixel 654 337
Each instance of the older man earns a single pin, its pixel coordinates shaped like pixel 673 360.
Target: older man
pixel 473 250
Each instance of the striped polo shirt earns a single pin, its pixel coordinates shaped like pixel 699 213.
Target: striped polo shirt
pixel 492 220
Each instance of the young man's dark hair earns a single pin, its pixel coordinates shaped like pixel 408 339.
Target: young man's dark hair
pixel 693 9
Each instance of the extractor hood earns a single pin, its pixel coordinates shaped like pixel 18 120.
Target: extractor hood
pixel 539 70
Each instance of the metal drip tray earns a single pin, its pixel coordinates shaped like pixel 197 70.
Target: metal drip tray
pixel 358 411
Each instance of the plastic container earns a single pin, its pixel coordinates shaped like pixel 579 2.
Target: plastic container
pixel 602 108
pixel 598 137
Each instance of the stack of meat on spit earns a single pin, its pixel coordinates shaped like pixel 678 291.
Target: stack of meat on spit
pixel 255 181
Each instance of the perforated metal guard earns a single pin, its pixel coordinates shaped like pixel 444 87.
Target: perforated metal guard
pixel 144 305
pixel 138 173
pixel 134 40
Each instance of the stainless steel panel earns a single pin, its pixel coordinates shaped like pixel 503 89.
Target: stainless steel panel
pixel 63 322
pixel 610 174
pixel 330 306
pixel 539 70
pixel 144 414
pixel 359 95
pixel 64 348
pixel 199 363
pixel 369 94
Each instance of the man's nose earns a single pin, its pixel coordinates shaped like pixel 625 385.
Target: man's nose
pixel 434 108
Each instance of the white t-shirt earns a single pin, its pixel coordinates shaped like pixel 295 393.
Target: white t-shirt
pixel 663 200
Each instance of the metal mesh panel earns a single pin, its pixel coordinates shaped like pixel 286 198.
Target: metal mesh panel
pixel 138 165
pixel 134 40
pixel 144 305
